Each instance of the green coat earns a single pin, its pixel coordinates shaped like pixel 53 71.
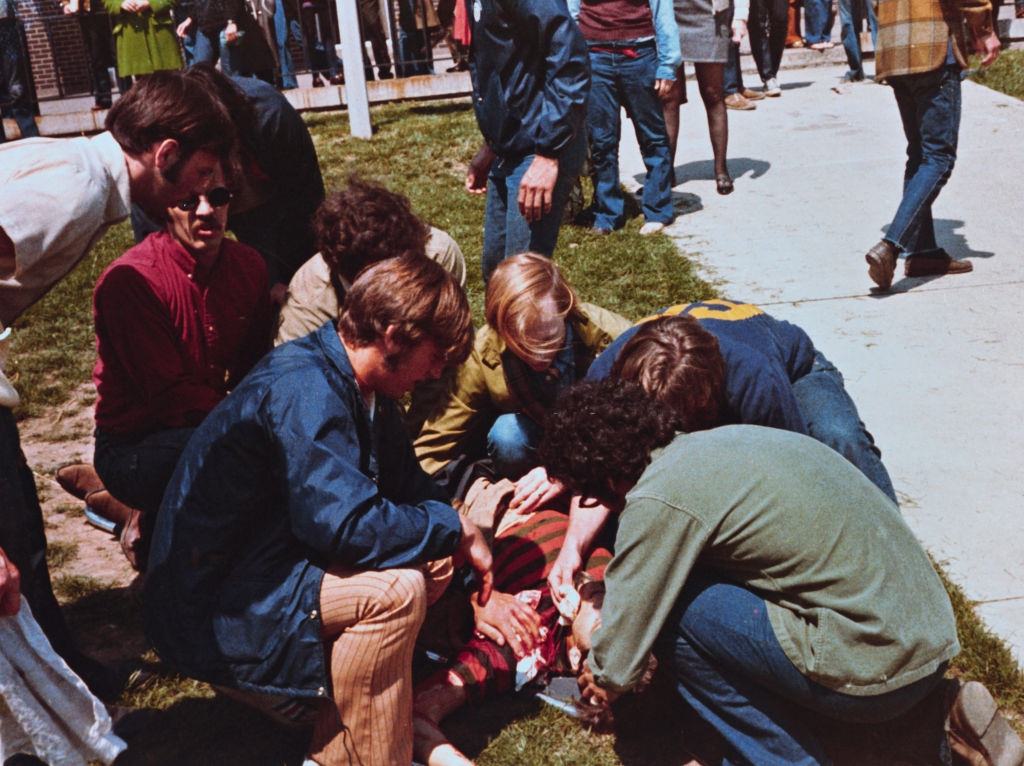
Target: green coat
pixel 146 42
pixel 481 393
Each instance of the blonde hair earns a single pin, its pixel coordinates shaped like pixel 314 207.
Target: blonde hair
pixel 518 290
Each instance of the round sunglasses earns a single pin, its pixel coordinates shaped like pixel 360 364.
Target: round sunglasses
pixel 218 197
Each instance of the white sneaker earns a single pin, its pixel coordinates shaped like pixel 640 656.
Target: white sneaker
pixel 771 88
pixel 651 227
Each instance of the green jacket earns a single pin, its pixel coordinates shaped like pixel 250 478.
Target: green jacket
pixel 851 595
pixel 480 391
pixel 146 41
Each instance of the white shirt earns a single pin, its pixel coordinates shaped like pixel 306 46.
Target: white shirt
pixel 58 196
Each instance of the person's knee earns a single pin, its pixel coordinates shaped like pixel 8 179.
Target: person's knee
pixel 509 445
pixel 404 602
pixel 712 94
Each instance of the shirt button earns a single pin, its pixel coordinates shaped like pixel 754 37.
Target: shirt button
pixel 321 692
pixel 313 614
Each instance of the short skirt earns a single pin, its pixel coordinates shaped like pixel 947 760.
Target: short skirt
pixel 704 36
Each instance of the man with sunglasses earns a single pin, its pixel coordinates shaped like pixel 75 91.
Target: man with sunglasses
pixel 180 319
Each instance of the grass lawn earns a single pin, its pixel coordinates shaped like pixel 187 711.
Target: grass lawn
pixel 419 150
pixel 1006 75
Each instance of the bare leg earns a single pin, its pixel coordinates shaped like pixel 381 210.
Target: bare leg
pixel 431 706
pixel 710 80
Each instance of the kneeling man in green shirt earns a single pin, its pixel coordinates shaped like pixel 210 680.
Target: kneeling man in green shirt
pixel 768 573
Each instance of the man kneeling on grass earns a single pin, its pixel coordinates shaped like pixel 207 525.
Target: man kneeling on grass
pixel 287 555
pixel 769 574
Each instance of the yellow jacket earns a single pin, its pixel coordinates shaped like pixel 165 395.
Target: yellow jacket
pixel 480 392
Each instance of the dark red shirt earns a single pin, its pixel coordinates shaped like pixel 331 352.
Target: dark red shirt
pixel 174 334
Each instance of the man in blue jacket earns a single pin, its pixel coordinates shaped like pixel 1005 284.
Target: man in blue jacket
pixel 530 81
pixel 289 555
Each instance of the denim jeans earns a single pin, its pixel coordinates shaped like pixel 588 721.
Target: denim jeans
pixel 284 55
pixel 617 80
pixel 208 50
pixel 817 21
pixel 768 19
pixel 832 418
pixel 506 232
pixel 732 671
pixel 733 79
pixel 851 17
pixel 512 444
pixel 929 106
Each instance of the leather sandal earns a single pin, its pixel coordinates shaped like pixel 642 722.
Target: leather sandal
pixel 723 183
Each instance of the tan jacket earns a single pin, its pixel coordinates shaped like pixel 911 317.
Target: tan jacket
pixel 480 392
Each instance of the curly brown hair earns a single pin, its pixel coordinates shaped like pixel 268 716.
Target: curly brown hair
pixel 363 224
pixel 679 364
pixel 601 434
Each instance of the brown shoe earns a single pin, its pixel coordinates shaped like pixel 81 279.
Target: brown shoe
pixel 978 733
pixel 934 265
pixel 881 264
pixel 79 479
pixel 109 507
pixel 738 101
pixel 752 95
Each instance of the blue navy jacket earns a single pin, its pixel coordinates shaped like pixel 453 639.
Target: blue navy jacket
pixel 285 477
pixel 531 75
pixel 763 357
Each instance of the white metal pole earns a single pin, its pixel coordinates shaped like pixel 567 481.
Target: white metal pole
pixel 357 100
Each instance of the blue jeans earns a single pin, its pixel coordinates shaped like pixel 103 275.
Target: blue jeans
pixel 733 78
pixel 512 444
pixel 817 21
pixel 929 106
pixel 284 55
pixel 506 232
pixel 208 50
pixel 617 80
pixel 851 17
pixel 732 671
pixel 832 418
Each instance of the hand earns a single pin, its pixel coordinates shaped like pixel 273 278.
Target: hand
pixel 591 692
pixel 278 293
pixel 142 5
pixel 739 30
pixel 506 619
pixel 183 28
pixel 130 6
pixel 230 33
pixel 662 88
pixel 988 47
pixel 479 168
pixel 534 490
pixel 10 586
pixel 562 571
pixel 537 188
pixel 473 549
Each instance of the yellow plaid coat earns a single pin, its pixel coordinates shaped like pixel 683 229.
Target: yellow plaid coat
pixel 913 35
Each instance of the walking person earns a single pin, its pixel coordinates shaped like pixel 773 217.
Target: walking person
pixel 634 54
pixel 852 14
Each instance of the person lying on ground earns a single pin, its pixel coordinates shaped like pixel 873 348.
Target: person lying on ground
pixel 539 339
pixel 772 578
pixel 57 198
pixel 486 667
pixel 180 319
pixel 717 362
pixel 287 555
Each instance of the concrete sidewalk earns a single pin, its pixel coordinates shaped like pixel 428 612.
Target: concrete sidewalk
pixel 937 366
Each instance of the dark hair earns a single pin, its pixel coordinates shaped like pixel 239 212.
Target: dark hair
pixel 419 297
pixel 679 364
pixel 363 224
pixel 170 105
pixel 241 109
pixel 602 433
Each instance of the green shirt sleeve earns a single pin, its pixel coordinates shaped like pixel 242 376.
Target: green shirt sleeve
pixel 643 581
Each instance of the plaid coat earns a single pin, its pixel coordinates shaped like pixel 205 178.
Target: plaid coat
pixel 913 35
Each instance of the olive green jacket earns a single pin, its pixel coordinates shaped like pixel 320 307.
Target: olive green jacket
pixel 480 392
pixel 146 41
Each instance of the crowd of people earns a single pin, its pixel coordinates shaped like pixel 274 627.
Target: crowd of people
pixel 566 491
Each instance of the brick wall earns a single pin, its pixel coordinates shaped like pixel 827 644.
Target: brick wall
pixel 57 54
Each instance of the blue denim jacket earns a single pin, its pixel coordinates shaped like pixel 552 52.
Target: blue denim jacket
pixel 666 36
pixel 285 477
pixel 531 75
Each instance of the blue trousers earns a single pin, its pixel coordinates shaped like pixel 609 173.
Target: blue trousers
pixel 852 14
pixel 929 105
pixel 732 671
pixel 506 232
pixel 208 50
pixel 832 418
pixel 817 21
pixel 284 55
pixel 617 80
pixel 512 444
